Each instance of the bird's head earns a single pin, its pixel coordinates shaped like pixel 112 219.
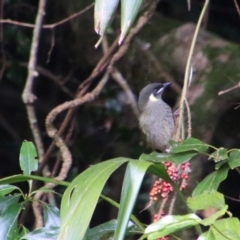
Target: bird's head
pixel 152 92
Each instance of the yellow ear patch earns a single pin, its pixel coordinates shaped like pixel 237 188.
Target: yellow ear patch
pixel 153 98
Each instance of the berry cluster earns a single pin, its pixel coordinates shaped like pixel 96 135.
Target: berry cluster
pixel 163 188
pixel 179 174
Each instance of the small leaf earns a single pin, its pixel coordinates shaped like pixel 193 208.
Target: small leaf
pixel 210 220
pixel 219 155
pixel 155 157
pixel 50 215
pixel 6 188
pixel 214 199
pixel 170 224
pixel 177 158
pixel 189 144
pixel 234 159
pixel 129 11
pixel 45 233
pixel 132 181
pixel 28 155
pixel 103 12
pixel 211 182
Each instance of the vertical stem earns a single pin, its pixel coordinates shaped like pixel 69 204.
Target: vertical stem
pixel 27 96
pixel 187 70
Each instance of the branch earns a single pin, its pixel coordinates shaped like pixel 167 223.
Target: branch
pixel 49 26
pixel 28 97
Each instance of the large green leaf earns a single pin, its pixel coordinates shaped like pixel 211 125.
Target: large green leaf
pixel 28 158
pixel 212 181
pixel 129 11
pixel 80 198
pixel 131 185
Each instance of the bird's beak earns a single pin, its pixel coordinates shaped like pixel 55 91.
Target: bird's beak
pixel 166 84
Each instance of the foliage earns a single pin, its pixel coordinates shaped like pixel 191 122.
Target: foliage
pixel 79 200
pixel 82 194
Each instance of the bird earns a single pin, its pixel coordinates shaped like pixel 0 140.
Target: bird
pixel 156 117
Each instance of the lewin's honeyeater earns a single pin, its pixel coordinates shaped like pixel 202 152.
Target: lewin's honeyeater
pixel 156 117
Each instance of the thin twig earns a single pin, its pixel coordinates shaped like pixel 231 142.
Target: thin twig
pixel 229 90
pixel 189 119
pixel 237 6
pixel 2 42
pixel 49 26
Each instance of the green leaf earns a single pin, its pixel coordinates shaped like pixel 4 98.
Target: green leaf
pixel 170 224
pixel 219 155
pixel 22 178
pixel 6 201
pixel 132 181
pixel 189 144
pixel 210 220
pixel 6 188
pixel 212 181
pixel 50 215
pixel 206 236
pixel 155 157
pixel 8 222
pixel 138 224
pixel 103 12
pixel 106 230
pixel 129 11
pixel 45 233
pixel 177 158
pixel 80 198
pixel 234 159
pixel 226 229
pixel 28 155
pixel 214 199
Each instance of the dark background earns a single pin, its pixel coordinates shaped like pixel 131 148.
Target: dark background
pixel 105 128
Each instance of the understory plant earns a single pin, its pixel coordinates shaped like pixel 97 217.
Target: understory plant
pixel 79 200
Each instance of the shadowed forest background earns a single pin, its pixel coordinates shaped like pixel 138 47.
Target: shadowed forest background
pixel 108 127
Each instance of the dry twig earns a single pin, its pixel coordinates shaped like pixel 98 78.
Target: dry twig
pixel 47 26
